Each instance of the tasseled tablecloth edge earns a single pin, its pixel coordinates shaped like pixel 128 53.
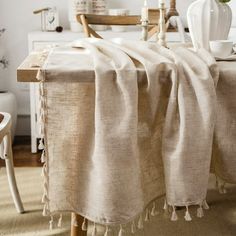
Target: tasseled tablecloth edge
pixel 139 222
pixel 174 217
pixel 42 146
pixel 136 224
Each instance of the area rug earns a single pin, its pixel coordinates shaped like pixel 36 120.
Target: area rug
pixel 220 220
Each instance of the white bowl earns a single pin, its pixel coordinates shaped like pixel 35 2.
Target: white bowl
pixel 221 48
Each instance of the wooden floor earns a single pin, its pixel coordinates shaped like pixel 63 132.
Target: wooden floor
pixel 22 154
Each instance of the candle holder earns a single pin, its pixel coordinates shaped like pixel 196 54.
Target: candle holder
pixel 144 24
pixel 172 10
pixel 162 26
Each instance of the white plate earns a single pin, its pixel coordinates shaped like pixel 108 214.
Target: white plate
pixel 231 57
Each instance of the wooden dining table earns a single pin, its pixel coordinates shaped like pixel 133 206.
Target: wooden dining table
pixel 27 73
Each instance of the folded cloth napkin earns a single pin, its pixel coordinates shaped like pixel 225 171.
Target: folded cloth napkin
pixel 141 129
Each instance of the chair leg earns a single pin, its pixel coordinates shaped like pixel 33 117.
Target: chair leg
pixel 76 230
pixel 11 174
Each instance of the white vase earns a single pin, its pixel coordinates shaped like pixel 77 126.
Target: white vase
pixel 208 20
pixel 8 104
pixel 224 21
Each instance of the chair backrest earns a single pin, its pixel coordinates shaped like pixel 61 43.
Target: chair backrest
pixel 120 20
pixel 91 19
pixel 5 124
pixel 111 20
pixel 154 14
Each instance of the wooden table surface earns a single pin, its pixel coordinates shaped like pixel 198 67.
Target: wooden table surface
pixel 27 73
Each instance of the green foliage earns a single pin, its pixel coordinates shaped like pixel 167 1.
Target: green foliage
pixel 2 31
pixel 224 1
pixel 3 61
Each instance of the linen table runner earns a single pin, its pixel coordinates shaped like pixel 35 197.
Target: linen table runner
pixel 142 129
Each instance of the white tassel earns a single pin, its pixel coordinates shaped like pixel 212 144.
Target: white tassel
pixel 154 211
pixel 45 209
pixel 41 129
pixel 41 103
pixel 222 189
pixel 174 216
pixel 41 145
pixel 45 198
pixel 94 232
pixel 45 187
pixel 205 205
pixel 133 227
pixel 200 212
pixel 187 216
pixel 51 223
pixel 140 222
pixel 84 225
pixel 44 171
pixel 121 231
pixel 165 207
pixel 59 224
pixel 41 90
pixel 40 75
pixel 41 118
pixel 147 216
pixel 43 159
pixel 108 231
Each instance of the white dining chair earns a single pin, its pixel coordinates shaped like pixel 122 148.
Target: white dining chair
pixel 6 154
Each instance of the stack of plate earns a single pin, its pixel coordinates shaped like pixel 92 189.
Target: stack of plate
pixel 99 7
pixel 77 7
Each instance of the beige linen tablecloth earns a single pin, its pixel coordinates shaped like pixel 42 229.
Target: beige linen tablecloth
pixel 224 151
pixel 125 123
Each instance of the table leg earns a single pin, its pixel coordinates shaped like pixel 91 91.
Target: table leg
pixel 77 230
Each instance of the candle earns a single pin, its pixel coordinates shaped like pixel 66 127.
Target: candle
pixel 144 13
pixel 161 1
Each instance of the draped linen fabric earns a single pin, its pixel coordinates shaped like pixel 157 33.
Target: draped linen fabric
pixel 224 149
pixel 125 123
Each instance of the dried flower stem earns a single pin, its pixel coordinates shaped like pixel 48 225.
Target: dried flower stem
pixel 3 62
pixel 2 31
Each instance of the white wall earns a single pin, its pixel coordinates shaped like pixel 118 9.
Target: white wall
pixel 233 7
pixel 17 17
